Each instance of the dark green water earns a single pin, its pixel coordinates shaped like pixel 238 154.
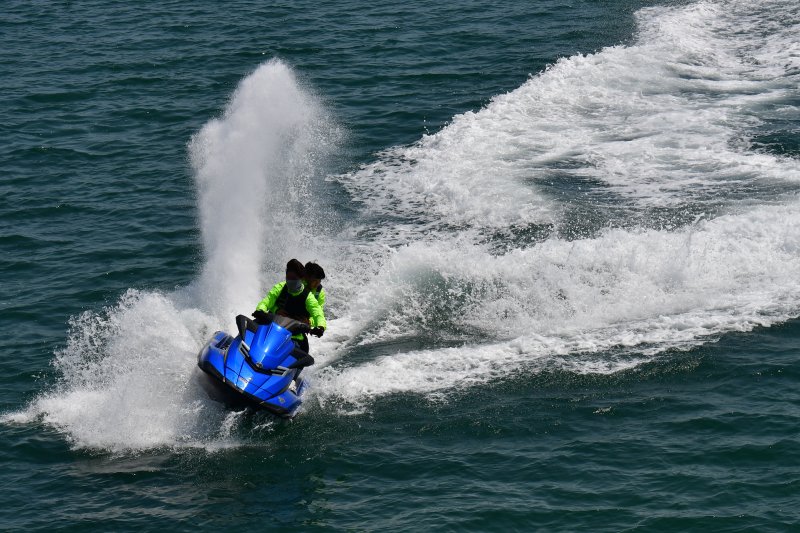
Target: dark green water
pixel 561 241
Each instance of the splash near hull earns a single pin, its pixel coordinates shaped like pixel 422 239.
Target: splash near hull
pixel 259 368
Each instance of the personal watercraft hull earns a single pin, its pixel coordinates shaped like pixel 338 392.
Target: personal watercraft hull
pixel 258 368
pixel 226 393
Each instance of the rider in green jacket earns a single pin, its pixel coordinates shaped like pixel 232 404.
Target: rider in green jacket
pixel 293 299
pixel 313 280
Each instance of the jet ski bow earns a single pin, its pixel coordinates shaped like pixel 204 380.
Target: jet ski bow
pixel 259 367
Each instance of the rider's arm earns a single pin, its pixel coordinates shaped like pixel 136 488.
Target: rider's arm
pixel 316 312
pixel 321 298
pixel 268 304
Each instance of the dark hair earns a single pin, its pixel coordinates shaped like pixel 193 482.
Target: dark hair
pixel 315 271
pixel 295 266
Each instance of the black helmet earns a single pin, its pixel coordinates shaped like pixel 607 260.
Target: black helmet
pixel 295 266
pixel 315 271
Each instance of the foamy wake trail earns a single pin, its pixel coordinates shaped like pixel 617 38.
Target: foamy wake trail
pixel 566 304
pixel 661 123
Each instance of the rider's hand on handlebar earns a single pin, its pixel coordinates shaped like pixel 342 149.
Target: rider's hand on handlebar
pixel 260 316
pixel 317 332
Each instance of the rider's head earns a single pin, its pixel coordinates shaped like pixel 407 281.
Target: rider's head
pixel 314 275
pixel 294 274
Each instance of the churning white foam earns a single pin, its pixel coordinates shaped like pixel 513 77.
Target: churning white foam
pixel 663 122
pixel 565 304
pixel 660 122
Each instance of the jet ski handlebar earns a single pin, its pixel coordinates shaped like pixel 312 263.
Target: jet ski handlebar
pixel 244 323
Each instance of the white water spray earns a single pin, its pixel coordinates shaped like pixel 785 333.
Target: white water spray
pixel 252 169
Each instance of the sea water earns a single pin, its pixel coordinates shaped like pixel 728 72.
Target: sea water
pixel 562 246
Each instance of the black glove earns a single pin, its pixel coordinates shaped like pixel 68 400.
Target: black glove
pixel 261 317
pixel 317 332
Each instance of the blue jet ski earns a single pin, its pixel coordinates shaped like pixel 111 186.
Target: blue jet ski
pixel 259 368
